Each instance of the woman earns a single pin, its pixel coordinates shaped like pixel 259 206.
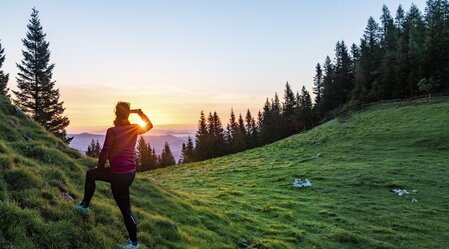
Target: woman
pixel 118 148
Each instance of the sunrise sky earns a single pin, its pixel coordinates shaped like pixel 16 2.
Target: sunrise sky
pixel 176 58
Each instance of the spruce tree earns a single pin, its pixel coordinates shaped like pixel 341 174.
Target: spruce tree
pixel 90 147
pixel 93 149
pixel 201 139
pixel 231 131
pixel 384 87
pixel 413 55
pixel 343 76
pixel 187 151
pixel 399 19
pixel 166 158
pixel 266 124
pixel 304 112
pixel 217 143
pixel 355 55
pixel 367 70
pixel 279 123
pixel 37 95
pixel 328 86
pixel 153 157
pixel 249 129
pixel 143 155
pixel 254 139
pixel 288 112
pixel 97 148
pixel 318 83
pixel 240 137
pixel 183 151
pixel 437 42
pixel 3 77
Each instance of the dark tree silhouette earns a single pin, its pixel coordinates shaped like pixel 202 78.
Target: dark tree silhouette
pixel 201 140
pixel 318 83
pixel 166 158
pixel 94 148
pixel 187 151
pixel 3 77
pixel 37 95
pixel 288 112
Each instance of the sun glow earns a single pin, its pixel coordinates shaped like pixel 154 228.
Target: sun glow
pixel 142 123
pixel 134 119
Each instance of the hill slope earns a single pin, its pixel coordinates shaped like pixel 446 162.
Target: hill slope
pixel 246 199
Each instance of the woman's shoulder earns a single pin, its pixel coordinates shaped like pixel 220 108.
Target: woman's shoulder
pixel 110 130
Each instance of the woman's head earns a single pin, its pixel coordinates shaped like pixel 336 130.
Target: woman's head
pixel 121 112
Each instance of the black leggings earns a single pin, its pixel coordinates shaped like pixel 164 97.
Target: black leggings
pixel 120 190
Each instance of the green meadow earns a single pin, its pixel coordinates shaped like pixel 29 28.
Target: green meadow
pixel 245 200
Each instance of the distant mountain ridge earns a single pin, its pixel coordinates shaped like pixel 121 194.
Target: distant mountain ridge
pixel 82 140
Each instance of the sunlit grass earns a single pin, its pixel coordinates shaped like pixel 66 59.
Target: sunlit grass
pixel 246 199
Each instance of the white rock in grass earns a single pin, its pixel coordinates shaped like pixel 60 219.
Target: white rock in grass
pixel 302 183
pixel 400 192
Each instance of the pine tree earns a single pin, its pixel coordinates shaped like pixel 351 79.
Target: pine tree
pixel 254 139
pixel 183 151
pixel 143 155
pixel 383 88
pixel 318 83
pixel 97 149
pixel 240 136
pixel 93 149
pixel 187 151
pixel 4 78
pixel 411 53
pixel 201 139
pixel 36 94
pixel 153 157
pixel 231 131
pixel 437 42
pixel 217 141
pixel 328 86
pixel 266 124
pixel 237 138
pixel 367 72
pixel 166 158
pixel 288 112
pixel 279 123
pixel 89 151
pixel 305 108
pixel 355 54
pixel 399 19
pixel 249 123
pixel 343 76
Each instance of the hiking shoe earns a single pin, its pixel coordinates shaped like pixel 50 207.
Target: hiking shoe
pixel 82 209
pixel 130 245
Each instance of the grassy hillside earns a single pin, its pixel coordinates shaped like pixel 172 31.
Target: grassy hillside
pixel 245 200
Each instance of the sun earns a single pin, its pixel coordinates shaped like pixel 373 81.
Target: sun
pixel 141 123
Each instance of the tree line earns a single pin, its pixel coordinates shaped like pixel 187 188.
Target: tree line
pixel 36 95
pixel 146 157
pixel 277 120
pixel 398 57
